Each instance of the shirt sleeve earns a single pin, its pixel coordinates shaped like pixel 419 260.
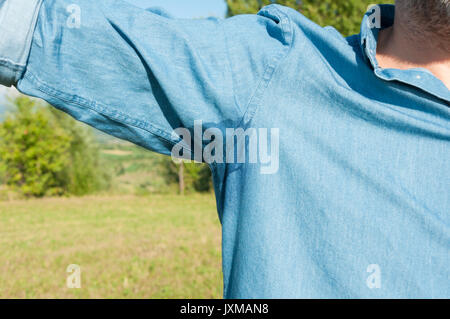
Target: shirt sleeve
pixel 138 75
pixel 17 20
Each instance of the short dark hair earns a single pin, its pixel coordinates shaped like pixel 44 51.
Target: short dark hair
pixel 430 18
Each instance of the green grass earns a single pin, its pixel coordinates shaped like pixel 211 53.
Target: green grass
pixel 135 170
pixel 159 246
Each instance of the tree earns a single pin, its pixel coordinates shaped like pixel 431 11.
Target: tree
pixel 344 15
pixel 181 178
pixel 85 174
pixel 253 6
pixel 33 154
pixel 189 175
pixel 44 152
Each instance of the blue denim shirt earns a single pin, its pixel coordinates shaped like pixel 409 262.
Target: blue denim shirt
pixel 359 204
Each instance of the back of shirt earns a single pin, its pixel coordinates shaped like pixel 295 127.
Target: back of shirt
pixel 338 187
pixel 359 207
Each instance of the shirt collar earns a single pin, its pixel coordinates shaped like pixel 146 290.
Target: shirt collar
pixel 382 16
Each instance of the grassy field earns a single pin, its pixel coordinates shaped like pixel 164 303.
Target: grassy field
pixel 135 170
pixel 157 246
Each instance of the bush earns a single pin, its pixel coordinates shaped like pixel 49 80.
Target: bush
pixel 33 153
pixel 197 176
pixel 85 174
pixel 43 152
pixel 344 15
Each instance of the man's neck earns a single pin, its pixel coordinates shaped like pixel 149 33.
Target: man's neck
pixel 400 47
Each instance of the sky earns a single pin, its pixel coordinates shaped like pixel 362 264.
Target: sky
pixel 186 8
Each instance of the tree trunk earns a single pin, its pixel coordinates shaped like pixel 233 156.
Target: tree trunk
pixel 181 178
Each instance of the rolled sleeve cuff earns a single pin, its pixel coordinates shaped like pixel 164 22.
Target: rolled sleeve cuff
pixel 17 23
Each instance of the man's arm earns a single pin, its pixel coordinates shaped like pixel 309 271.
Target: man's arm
pixel 136 74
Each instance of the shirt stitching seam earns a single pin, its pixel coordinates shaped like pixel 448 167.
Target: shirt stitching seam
pixel 99 108
pixel 233 77
pixel 270 69
pixel 11 64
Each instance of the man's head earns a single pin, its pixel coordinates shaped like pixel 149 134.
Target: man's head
pixel 426 8
pixel 428 19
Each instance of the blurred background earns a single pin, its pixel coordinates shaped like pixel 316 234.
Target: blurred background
pixel 137 224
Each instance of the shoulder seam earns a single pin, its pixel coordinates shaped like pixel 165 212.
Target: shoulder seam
pixel 116 116
pixel 272 66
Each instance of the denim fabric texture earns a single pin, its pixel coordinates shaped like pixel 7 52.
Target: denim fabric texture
pixel 360 204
